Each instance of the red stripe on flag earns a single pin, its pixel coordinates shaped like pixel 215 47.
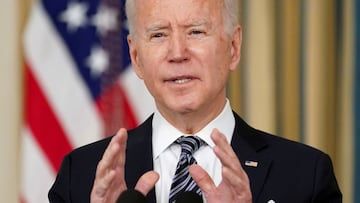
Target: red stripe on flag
pixel 43 123
pixel 130 120
pixel 116 110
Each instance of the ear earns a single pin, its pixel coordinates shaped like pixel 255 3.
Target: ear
pixel 236 47
pixel 136 64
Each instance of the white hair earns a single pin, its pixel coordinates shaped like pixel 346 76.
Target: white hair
pixel 230 15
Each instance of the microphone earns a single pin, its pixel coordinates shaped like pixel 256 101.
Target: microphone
pixel 189 196
pixel 131 196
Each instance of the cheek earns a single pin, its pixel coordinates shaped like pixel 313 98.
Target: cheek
pixel 152 57
pixel 144 63
pixel 219 70
pixel 212 52
pixel 150 72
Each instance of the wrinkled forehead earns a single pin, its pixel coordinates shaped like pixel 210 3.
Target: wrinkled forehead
pixel 178 9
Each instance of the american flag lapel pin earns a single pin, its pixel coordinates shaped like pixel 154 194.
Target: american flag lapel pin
pixel 251 163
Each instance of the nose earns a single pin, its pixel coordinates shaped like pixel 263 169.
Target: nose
pixel 177 51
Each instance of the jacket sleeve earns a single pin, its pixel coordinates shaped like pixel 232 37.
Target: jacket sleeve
pixel 326 188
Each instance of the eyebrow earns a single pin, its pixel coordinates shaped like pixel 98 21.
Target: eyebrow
pixel 199 23
pixel 161 26
pixel 156 27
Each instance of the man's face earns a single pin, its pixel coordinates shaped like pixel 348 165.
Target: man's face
pixel 183 54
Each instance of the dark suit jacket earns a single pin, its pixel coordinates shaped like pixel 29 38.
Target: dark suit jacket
pixel 286 172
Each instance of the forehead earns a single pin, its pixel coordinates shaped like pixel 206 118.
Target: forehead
pixel 179 11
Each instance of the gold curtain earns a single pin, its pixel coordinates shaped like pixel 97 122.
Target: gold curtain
pixel 295 75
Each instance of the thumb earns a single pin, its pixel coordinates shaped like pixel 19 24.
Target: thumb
pixel 146 182
pixel 202 179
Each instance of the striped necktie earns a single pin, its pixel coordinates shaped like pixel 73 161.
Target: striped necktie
pixel 182 180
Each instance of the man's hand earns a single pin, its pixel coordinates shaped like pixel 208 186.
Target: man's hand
pixel 234 187
pixel 110 173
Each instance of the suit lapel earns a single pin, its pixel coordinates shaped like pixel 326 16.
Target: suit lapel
pixel 247 144
pixel 139 157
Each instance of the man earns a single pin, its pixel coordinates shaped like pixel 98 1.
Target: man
pixel 184 51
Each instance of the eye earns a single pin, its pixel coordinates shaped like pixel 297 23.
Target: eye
pixel 157 35
pixel 196 32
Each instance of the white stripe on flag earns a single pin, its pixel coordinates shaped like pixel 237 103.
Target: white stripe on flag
pixel 37 174
pixel 54 69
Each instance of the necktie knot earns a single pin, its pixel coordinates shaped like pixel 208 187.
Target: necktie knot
pixel 189 144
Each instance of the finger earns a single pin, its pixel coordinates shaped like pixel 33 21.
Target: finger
pixel 101 186
pixel 118 142
pixel 114 155
pixel 239 185
pixel 109 178
pixel 121 139
pixel 224 151
pixel 233 178
pixel 228 159
pixel 114 158
pixel 146 182
pixel 221 141
pixel 232 172
pixel 202 179
pixel 107 162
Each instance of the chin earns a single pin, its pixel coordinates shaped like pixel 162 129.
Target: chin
pixel 185 108
pixel 182 104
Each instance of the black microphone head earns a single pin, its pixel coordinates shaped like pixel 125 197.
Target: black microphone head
pixel 189 197
pixel 131 196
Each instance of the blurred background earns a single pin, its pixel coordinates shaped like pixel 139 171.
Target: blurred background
pixel 65 80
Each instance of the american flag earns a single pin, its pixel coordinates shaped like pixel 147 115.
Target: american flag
pixel 79 86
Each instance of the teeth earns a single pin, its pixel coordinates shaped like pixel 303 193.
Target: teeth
pixel 181 81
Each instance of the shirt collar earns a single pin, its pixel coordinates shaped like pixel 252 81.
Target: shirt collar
pixel 164 134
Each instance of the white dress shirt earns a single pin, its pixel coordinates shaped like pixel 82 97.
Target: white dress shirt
pixel 166 154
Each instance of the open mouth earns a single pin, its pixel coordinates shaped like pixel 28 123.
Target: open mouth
pixel 181 81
